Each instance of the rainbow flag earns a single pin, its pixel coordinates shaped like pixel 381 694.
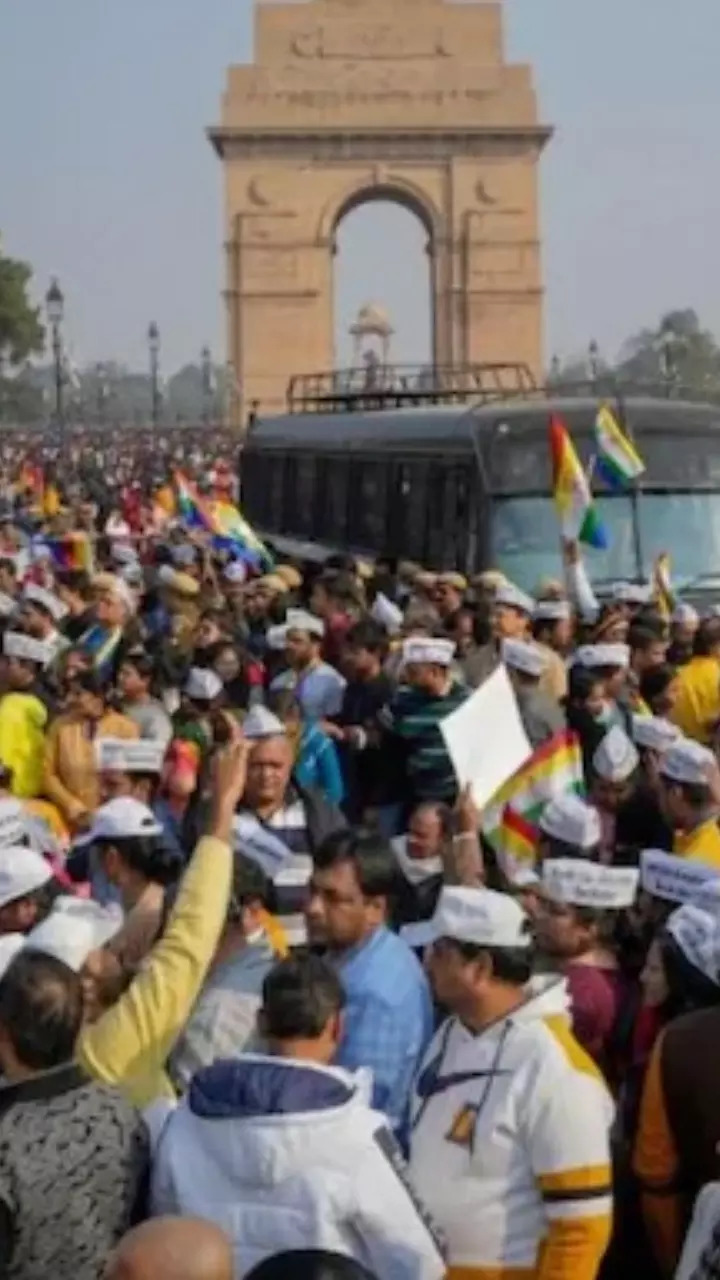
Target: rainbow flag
pixel 617 459
pixel 72 551
pixel 510 820
pixel 579 518
pixel 223 521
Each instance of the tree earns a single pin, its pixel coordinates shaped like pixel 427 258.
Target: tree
pixel 678 350
pixel 21 332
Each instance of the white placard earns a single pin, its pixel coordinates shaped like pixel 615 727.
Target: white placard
pixel 485 738
pixel 676 879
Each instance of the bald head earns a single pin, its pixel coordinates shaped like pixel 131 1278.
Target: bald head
pixel 174 1248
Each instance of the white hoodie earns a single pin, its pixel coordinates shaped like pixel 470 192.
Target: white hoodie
pixel 287 1155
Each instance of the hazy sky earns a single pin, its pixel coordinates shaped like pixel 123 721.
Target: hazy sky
pixel 106 178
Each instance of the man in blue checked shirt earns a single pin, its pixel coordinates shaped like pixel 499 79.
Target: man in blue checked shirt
pixel 389 1013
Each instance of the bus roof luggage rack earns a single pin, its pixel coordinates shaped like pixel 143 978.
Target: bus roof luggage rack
pixel 404 385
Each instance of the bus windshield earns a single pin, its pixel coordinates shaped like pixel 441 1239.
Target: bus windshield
pixel 526 540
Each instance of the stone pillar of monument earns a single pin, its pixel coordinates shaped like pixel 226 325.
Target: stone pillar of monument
pixel 350 100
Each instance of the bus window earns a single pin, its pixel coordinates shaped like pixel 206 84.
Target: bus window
pixel 288 508
pixel 371 504
pixel 437 515
pixel 415 503
pixel 336 500
pixel 304 496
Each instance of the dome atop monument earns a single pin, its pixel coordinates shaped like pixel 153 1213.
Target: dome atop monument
pixel 372 319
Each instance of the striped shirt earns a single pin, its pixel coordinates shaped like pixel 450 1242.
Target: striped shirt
pixel 280 845
pixel 414 717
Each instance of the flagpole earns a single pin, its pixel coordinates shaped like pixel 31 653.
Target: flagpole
pixel 635 492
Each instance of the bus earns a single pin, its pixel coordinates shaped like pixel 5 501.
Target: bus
pixel 463 481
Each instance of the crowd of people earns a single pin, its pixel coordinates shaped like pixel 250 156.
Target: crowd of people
pixel 272 1002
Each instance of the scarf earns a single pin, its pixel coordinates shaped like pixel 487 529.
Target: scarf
pixel 415 870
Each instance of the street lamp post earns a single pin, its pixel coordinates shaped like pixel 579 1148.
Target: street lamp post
pixel 667 353
pixel 154 349
pixel 594 361
pixel 55 304
pixel 207 384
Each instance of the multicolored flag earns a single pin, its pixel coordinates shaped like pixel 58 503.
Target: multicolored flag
pixel 72 551
pixel 223 521
pixel 510 821
pixel 617 459
pixel 579 518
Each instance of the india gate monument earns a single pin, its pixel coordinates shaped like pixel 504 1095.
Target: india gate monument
pixel 354 100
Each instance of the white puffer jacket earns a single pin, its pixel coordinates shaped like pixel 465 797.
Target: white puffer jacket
pixel 287 1155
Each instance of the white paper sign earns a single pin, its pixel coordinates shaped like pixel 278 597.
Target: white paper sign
pixel 485 738
pixel 676 879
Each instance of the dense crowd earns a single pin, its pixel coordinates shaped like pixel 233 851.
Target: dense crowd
pixel 273 997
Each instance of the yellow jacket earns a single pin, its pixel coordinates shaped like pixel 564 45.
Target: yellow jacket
pixel 129 1045
pixel 700 845
pixel 698 701
pixel 23 718
pixel 70 777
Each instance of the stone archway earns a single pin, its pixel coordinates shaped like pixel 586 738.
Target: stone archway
pixel 353 99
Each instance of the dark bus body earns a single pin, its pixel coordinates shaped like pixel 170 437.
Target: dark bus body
pixel 469 487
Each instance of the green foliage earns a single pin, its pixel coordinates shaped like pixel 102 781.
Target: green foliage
pixel 21 331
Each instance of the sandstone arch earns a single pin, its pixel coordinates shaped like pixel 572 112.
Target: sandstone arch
pixel 354 100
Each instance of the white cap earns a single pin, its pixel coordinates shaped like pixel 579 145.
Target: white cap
pixel 675 879
pixel 203 684
pixel 552 611
pixel 129 755
pixel 578 882
pixel 17 645
pixel 165 575
pixel 654 732
pixel 275 638
pixel 616 759
pixel 235 572
pixel 114 585
pixel 685 614
pixel 478 916
pixel 183 555
pixel 569 819
pixel 8 605
pixel 421 649
pixel 387 614
pixel 603 655
pixel 122 554
pixel 21 872
pixel 121 819
pixel 47 600
pixel 513 598
pixel 631 593
pixel 302 620
pixel 527 658
pixel 686 761
pixel 260 723
pixel 11 944
pixel 132 573
pixel 74 928
pixel 697 933
pixel 12 822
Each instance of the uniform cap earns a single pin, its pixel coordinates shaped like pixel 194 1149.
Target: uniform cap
pixel 616 759
pixel 513 598
pixel 578 882
pixel 260 723
pixel 686 761
pixel 654 732
pixel 527 658
pixel 129 755
pixel 202 684
pixel 426 649
pixel 74 928
pixel 121 819
pixel 570 820
pixel 21 872
pixel 481 917
pixel 697 934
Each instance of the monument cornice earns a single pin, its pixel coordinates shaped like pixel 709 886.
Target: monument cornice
pixel 327 143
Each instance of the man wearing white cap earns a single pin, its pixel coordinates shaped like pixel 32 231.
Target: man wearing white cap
pixel 412 720
pixel 690 800
pixel 25 889
pixel 613 782
pixel 317 686
pixel 510 1119
pixel 41 612
pixel 569 828
pixel 541 715
pixel 576 928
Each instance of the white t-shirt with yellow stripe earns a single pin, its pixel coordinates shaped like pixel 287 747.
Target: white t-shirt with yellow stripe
pixel 510 1144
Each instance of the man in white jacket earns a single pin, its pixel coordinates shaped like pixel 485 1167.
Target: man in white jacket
pixel 283 1152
